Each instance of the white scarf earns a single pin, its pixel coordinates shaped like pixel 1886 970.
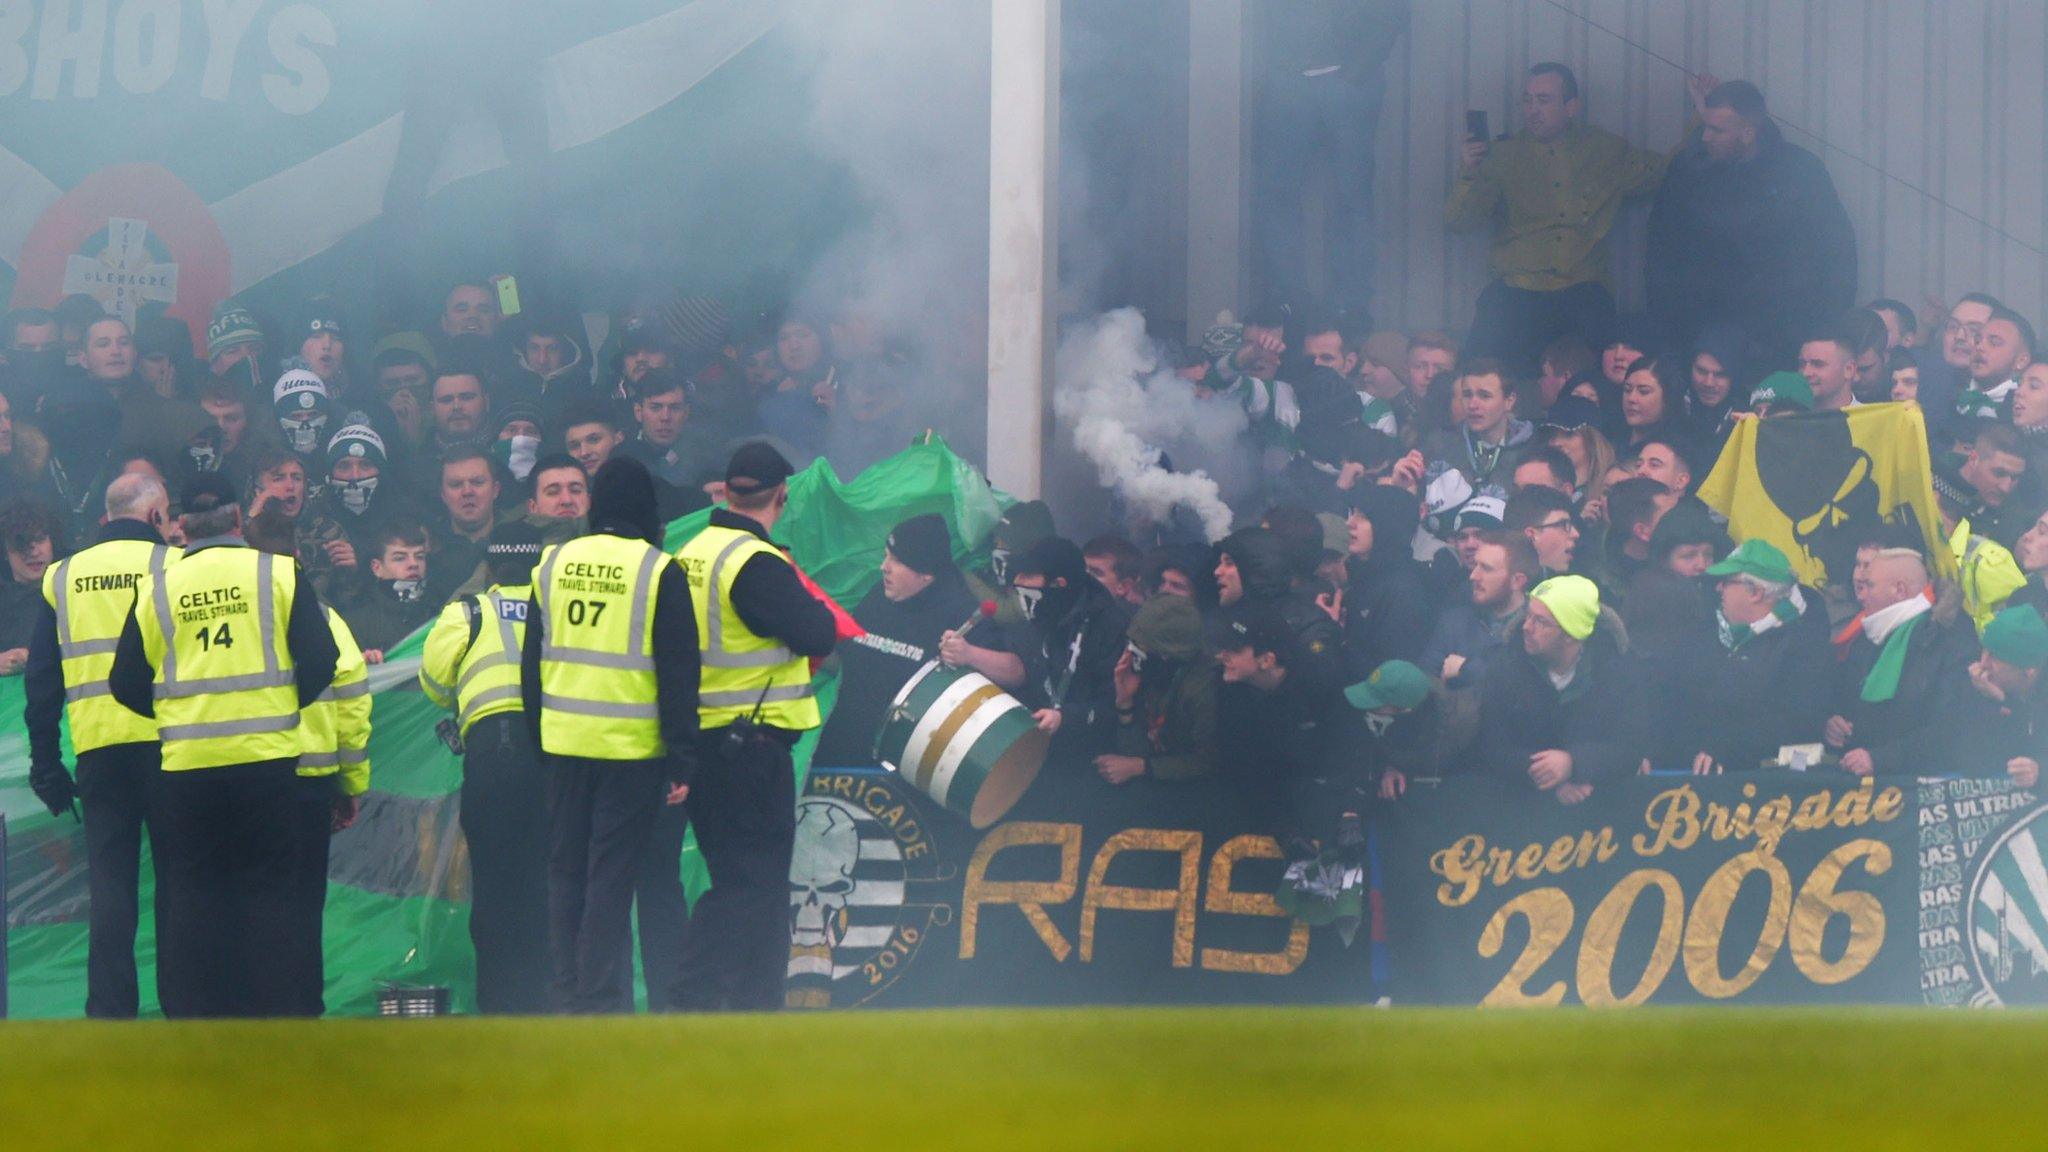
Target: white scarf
pixel 1881 623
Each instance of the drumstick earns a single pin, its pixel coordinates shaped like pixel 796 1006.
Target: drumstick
pixel 987 609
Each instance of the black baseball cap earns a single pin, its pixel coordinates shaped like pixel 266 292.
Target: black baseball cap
pixel 207 491
pixel 1259 627
pixel 756 467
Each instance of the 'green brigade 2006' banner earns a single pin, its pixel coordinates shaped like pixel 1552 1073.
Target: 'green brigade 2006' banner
pixel 1765 888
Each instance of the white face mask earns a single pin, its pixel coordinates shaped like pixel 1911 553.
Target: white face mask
pixel 525 449
pixel 1028 600
pixel 407 591
pixel 355 494
pixel 304 435
pixel 999 563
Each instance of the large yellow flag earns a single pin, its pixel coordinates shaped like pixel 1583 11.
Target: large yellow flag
pixel 1815 484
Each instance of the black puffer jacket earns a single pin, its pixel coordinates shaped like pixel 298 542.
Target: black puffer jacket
pixel 1600 717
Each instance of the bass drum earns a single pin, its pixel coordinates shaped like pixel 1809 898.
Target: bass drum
pixel 962 741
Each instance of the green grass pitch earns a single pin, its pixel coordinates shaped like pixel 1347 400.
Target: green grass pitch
pixel 1040 1080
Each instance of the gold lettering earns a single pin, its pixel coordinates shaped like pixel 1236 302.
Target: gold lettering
pixel 1888 804
pixel 1459 865
pixel 1181 898
pixel 1716 821
pixel 1854 809
pixel 1500 863
pixel 1597 850
pixel 1559 859
pixel 1030 896
pixel 1674 816
pixel 1771 820
pixel 1812 813
pixel 1603 936
pixel 1529 862
pixel 1223 899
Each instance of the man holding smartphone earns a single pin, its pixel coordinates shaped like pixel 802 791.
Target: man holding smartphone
pixel 1550 192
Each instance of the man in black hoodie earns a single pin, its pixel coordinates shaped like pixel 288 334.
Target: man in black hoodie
pixel 921 598
pixel 1747 229
pixel 1386 608
pixel 1253 567
pixel 1075 639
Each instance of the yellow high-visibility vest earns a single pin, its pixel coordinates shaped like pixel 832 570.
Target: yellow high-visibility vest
pixel 742 671
pixel 92 594
pixel 480 678
pixel 213 625
pixel 596 596
pixel 336 725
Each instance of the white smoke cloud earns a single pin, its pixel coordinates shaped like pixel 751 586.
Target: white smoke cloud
pixel 1127 414
pixel 900 104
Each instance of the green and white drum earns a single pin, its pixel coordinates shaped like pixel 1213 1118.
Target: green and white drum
pixel 961 741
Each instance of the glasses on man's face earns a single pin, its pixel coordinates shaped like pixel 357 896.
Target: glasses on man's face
pixel 1565 525
pixel 1973 331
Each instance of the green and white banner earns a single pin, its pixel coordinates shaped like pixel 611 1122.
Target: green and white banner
pixel 177 151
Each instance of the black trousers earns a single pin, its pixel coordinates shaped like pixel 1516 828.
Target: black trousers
pixel 312 828
pixel 1305 127
pixel 663 913
pixel 600 813
pixel 743 806
pixel 1514 324
pixel 224 847
pixel 504 818
pixel 116 784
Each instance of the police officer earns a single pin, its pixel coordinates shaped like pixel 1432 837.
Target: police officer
pixel 758 626
pixel 608 672
pixel 85 600
pixel 334 772
pixel 223 649
pixel 471 664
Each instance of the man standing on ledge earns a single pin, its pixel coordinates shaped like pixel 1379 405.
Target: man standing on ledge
pixel 224 649
pixel 758 626
pixel 608 673
pixel 1554 189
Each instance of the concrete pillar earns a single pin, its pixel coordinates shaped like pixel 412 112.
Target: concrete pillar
pixel 1023 238
pixel 1216 193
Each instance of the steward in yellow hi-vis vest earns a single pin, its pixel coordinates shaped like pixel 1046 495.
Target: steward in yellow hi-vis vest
pixel 334 773
pixel 758 626
pixel 471 664
pixel 86 598
pixel 608 670
pixel 223 649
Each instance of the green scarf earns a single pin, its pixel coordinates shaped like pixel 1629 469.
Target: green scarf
pixel 1883 681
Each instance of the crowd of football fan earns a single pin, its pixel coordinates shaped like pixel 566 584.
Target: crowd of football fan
pixel 1478 556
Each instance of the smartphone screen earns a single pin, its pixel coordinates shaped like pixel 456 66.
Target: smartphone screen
pixel 1475 125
